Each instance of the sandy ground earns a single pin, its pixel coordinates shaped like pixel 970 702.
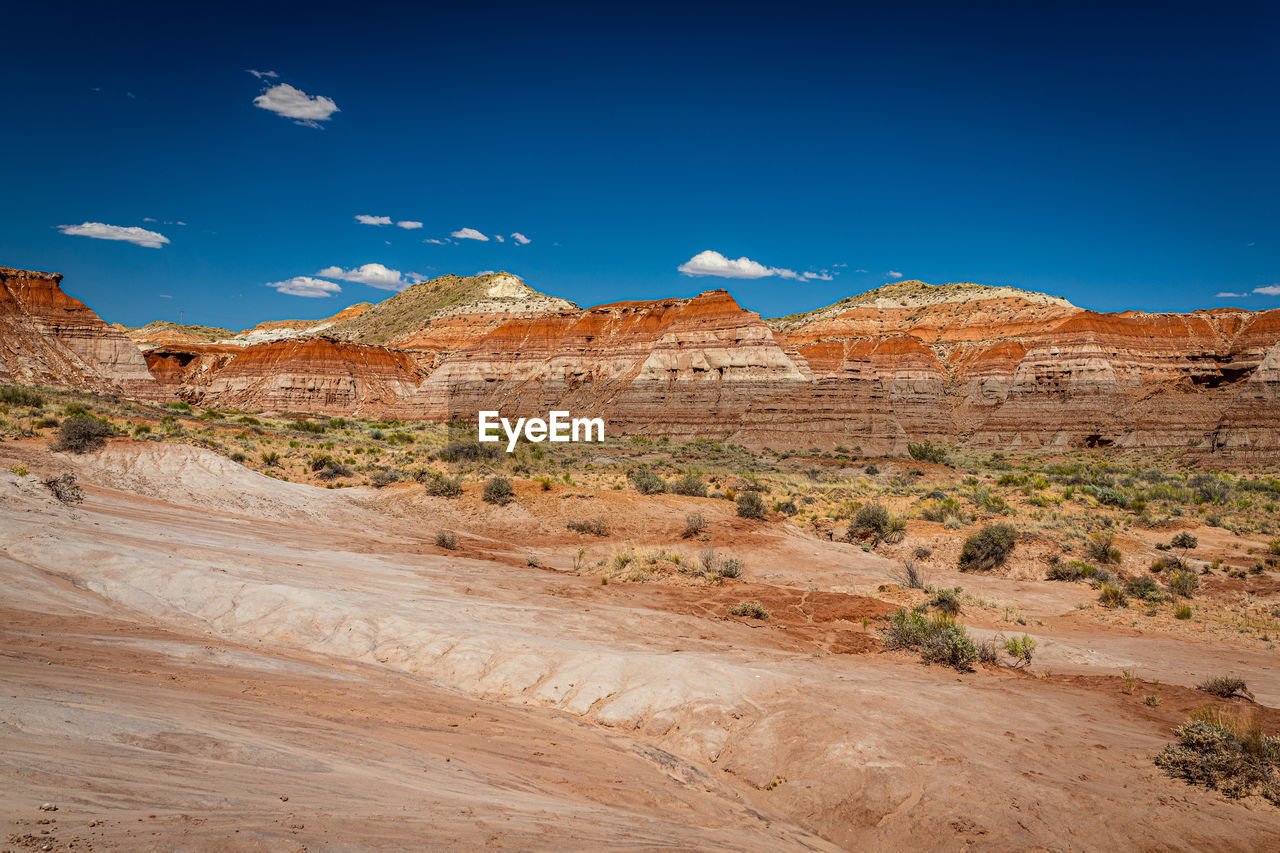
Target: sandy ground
pixel 203 658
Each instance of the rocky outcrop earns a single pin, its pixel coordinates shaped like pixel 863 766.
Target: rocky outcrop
pixel 49 338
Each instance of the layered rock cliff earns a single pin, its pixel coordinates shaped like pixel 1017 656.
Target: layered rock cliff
pixel 991 367
pixel 49 338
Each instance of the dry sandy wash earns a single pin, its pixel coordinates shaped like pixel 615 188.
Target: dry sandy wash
pixel 202 658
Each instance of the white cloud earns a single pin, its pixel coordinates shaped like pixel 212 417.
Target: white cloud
pixel 860 270
pixel 438 242
pixel 164 295
pixel 307 110
pixel 894 274
pixel 839 265
pixel 1269 290
pixel 148 219
pixel 305 285
pixel 261 74
pixel 713 263
pixel 1226 294
pixel 468 234
pixel 131 234
pixel 374 275
pixel 366 219
pixel 819 276
pixel 520 238
pixel 409 224
pixel 499 238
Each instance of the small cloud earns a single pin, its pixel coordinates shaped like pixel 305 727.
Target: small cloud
pixel 713 263
pixel 366 219
pixel 130 234
pixel 1226 294
pixel 374 275
pixel 164 296
pixel 1269 290
pixel 839 265
pixel 894 274
pixel 819 276
pixel 261 74
pixel 860 270
pixel 437 241
pixel 520 238
pixel 305 285
pixel 468 234
pixel 499 238
pixel 1251 243
pixel 409 224
pixel 306 110
pixel 180 222
pixel 485 272
pixel 148 219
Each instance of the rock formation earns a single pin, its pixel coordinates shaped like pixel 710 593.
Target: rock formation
pixel 49 338
pixel 987 366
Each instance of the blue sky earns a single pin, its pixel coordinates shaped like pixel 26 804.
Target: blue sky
pixel 1123 158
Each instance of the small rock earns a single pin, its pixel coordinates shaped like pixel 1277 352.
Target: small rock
pixel 48 807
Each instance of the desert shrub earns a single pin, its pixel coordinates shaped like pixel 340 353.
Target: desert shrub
pixel 1184 540
pixel 380 478
pixel 447 539
pixel 646 482
pixel 439 485
pixel 1144 589
pixel 1072 571
pixel 1104 576
pixel 334 423
pixel 1208 489
pixel 988 548
pixel 1105 495
pixel 787 507
pixel 1021 649
pixel 319 461
pixel 46 423
pixel 1184 583
pixel 307 426
pixel 1182 611
pixel 1112 596
pixel 1225 686
pixel 11 395
pixel 871 470
pixel 1273 547
pixel 498 490
pixel 749 610
pixel 871 520
pixel 468 451
pixel 942 509
pixel 1216 751
pixel 946 601
pixel 690 485
pixel 938 638
pixel 729 567
pixel 270 458
pixel 64 488
pixel 910 577
pixel 928 452
pixel 694 525
pixel 1100 550
pixel 989 651
pixel 1159 564
pixel 81 434
pixel 179 406
pixel 590 526
pixel 751 505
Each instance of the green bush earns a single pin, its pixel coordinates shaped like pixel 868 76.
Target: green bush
pixel 1184 540
pixel 946 600
pixel 447 540
pixel 1144 589
pixel 1219 753
pixel 1182 611
pixel 1021 649
pixel 1112 596
pixel 463 451
pixel 13 396
pixel 81 434
pixel 1072 571
pixel 749 610
pixel 927 452
pixel 942 509
pixel 498 490
pixel 938 638
pixel 694 525
pixel 439 485
pixel 989 548
pixel 646 482
pixel 307 426
pixel 690 485
pixel 751 505
pixel 1224 686
pixel 1100 550
pixel 1184 583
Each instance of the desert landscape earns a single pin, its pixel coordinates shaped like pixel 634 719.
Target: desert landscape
pixel 937 567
